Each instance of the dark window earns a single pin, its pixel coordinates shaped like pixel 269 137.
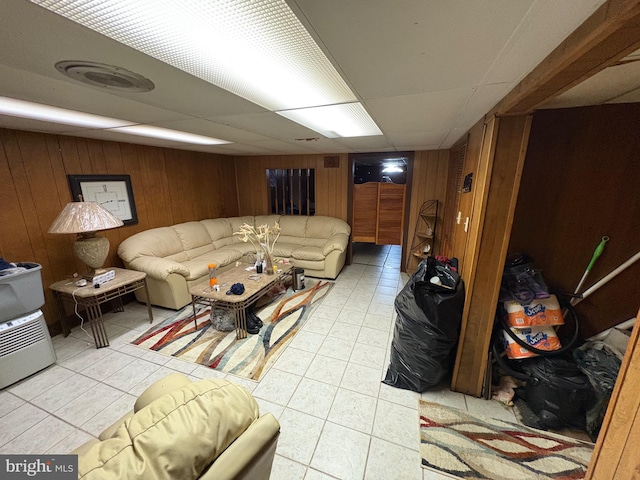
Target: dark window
pixel 292 191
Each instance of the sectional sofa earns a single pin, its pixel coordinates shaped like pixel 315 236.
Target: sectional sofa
pixel 176 257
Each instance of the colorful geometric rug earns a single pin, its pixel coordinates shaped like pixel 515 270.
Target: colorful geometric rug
pixel 251 357
pixel 472 446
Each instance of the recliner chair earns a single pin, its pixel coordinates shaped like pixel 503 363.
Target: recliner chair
pixel 179 429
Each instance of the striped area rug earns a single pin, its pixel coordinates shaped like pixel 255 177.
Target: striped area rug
pixel 476 447
pixel 249 357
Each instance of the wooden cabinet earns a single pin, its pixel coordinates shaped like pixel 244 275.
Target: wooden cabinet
pixel 378 213
pixel 424 234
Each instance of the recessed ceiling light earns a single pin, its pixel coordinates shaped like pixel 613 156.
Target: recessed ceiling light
pixel 257 50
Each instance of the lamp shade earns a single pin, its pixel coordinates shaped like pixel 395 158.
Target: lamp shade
pixel 81 217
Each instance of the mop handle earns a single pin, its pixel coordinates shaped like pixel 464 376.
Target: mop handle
pixel 597 252
pixel 608 277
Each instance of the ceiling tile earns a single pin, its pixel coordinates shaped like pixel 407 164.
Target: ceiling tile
pixel 268 124
pixel 607 86
pixel 414 46
pixel 545 26
pixel 434 111
pixel 402 140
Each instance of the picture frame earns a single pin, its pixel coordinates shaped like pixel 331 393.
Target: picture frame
pixel 113 192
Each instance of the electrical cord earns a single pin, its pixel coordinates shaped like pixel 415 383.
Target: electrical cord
pixel 75 309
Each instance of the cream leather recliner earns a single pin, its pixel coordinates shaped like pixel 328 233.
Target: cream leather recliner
pixel 179 429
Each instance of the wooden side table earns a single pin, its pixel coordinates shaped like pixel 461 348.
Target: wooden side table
pixel 91 298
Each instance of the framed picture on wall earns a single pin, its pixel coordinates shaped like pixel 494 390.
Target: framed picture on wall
pixel 113 192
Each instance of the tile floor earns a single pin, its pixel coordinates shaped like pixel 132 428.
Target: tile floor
pixel 338 420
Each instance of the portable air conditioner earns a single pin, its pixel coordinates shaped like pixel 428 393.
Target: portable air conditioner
pixel 25 347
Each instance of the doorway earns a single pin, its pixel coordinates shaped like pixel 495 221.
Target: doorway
pixel 377 197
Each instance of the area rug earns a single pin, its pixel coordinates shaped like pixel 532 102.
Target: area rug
pixel 474 447
pixel 251 357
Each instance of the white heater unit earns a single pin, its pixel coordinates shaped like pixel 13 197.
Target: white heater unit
pixel 25 347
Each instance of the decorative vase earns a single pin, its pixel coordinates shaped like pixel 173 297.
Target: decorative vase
pixel 268 264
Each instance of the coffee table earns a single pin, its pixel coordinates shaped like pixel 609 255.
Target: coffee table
pixel 203 294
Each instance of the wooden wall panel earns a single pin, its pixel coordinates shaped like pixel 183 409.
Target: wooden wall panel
pixel 616 451
pixel 428 182
pixel 170 186
pixel 580 182
pixel 496 193
pixel 331 183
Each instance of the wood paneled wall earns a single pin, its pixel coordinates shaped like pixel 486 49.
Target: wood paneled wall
pixel 331 183
pixel 170 186
pixel 428 182
pixel 616 451
pixel 580 182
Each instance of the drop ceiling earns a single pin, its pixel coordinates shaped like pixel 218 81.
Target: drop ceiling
pixel 426 71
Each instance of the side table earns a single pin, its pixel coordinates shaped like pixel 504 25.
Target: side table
pixel 91 298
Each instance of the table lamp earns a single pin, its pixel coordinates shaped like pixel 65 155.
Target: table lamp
pixel 85 219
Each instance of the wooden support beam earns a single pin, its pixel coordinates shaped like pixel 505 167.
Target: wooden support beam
pixel 504 163
pixel 611 33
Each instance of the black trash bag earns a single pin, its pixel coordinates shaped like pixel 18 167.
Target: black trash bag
pixel 602 368
pixel 427 327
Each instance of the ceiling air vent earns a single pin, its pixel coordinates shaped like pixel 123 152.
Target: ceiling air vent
pixel 105 76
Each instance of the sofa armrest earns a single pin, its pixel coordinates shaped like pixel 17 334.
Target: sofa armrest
pixel 339 242
pixel 158 268
pixel 250 457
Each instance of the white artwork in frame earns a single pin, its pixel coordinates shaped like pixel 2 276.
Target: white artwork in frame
pixel 112 192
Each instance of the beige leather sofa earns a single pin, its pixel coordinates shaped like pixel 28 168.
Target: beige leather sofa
pixel 185 430
pixel 175 258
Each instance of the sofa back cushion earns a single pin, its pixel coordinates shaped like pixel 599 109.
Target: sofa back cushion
pixel 325 227
pixel 195 238
pixel 160 242
pixel 176 436
pixel 292 228
pixel 268 220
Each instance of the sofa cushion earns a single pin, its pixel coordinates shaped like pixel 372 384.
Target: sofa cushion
pixel 293 226
pixel 194 237
pixel 199 267
pixel 237 222
pixel 308 253
pixel 176 436
pixel 157 242
pixel 283 249
pixel 268 220
pixel 325 227
pixel 218 228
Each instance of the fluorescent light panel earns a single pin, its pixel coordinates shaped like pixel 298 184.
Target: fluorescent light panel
pixel 168 134
pixel 47 113
pixel 333 121
pixel 256 49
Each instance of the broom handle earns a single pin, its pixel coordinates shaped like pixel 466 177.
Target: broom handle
pixel 596 254
pixel 607 278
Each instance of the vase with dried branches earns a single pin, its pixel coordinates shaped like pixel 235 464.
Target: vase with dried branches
pixel 263 238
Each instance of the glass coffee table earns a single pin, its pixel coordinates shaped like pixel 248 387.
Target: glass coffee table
pixel 255 286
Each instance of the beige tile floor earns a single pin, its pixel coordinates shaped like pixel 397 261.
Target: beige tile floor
pixel 337 419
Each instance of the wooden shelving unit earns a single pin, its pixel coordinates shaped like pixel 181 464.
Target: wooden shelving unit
pixel 424 234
